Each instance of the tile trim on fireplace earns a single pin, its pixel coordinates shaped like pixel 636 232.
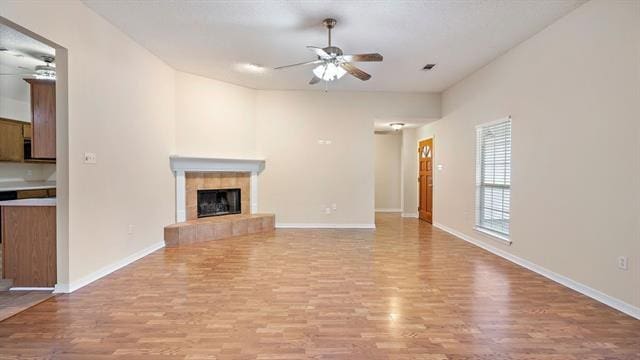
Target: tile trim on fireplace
pixel 180 165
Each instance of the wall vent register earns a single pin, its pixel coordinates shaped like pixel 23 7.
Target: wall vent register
pixel 217 202
pixel 493 178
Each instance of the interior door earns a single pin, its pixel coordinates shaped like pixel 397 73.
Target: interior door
pixel 425 179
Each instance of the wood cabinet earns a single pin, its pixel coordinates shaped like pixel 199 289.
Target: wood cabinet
pixel 29 245
pixel 26 131
pixel 11 141
pixel 43 118
pixel 35 193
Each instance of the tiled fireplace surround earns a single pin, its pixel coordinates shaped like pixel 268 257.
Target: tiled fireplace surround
pixel 193 174
pixel 195 181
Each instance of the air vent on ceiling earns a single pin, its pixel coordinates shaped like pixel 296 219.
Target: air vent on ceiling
pixel 428 67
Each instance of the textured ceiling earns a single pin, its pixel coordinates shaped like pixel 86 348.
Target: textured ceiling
pixel 210 38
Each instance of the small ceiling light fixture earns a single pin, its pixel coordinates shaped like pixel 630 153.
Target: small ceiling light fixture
pixel 251 68
pixel 396 126
pixel 428 67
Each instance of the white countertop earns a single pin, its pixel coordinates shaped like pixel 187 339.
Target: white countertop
pixel 26 185
pixel 30 202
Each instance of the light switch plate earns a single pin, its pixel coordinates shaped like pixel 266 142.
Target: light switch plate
pixel 90 158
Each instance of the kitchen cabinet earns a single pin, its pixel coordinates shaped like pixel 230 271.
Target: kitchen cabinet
pixel 29 245
pixel 43 118
pixel 11 141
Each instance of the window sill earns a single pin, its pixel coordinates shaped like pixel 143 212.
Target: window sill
pixel 494 235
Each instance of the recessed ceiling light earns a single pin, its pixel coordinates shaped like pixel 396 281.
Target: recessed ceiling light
pixel 251 68
pixel 396 126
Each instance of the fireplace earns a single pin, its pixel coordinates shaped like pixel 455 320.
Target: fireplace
pixel 216 202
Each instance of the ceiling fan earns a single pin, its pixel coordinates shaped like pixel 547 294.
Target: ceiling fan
pixel 45 71
pixel 332 63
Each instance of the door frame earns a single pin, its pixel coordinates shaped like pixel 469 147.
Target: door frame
pixel 417 176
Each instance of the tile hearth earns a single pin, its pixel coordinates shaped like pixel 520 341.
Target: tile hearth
pixel 217 227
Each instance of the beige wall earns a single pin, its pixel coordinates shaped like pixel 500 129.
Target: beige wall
pixel 214 118
pixel 302 177
pixel 573 92
pixel 387 166
pixel 120 106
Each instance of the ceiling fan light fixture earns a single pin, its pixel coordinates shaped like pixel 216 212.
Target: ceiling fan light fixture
pixel 45 72
pixel 396 126
pixel 329 71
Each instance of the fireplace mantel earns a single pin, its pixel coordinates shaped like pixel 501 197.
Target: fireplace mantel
pixel 183 164
pixel 190 163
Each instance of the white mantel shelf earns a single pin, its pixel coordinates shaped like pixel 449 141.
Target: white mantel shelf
pixel 183 164
pixel 190 163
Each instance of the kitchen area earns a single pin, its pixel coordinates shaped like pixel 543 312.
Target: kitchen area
pixel 28 270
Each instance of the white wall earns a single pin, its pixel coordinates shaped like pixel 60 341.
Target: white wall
pixel 120 106
pixel 14 96
pixel 214 118
pixel 409 173
pixel 26 172
pixel 387 166
pixel 302 177
pixel 573 91
pixel 14 109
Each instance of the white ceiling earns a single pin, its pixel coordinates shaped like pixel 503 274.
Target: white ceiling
pixel 19 54
pixel 210 38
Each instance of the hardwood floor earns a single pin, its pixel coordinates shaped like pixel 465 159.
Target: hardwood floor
pixel 404 291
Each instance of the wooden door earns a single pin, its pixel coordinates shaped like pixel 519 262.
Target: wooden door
pixel 11 141
pixel 425 179
pixel 43 124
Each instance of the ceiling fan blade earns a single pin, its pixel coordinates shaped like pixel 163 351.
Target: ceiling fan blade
pixel 362 57
pixel 299 64
pixel 314 80
pixel 351 69
pixel 320 52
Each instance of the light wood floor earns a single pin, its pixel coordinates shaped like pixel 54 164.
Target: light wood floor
pixel 405 291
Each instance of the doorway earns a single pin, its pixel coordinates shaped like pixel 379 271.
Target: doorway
pixel 425 180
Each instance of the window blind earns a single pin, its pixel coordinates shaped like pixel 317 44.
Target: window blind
pixel 493 177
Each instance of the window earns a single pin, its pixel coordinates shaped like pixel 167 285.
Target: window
pixel 493 178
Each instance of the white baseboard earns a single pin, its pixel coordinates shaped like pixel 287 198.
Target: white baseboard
pixel 409 215
pixel 17 288
pixel 85 280
pixel 388 210
pixel 563 280
pixel 324 226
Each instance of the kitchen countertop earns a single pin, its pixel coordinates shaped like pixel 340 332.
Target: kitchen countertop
pixel 26 185
pixel 51 201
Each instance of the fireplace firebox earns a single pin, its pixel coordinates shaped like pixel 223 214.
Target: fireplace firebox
pixel 216 202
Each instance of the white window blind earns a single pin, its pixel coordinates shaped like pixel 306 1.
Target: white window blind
pixel 493 177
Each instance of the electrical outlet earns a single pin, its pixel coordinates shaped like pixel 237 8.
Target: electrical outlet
pixel 327 211
pixel 90 158
pixel 130 229
pixel 623 263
